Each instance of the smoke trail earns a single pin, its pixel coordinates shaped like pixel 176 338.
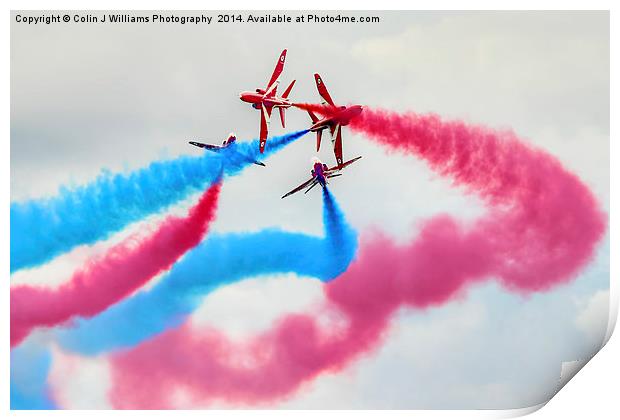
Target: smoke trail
pixel 217 261
pixel 541 229
pixel 544 222
pixel 45 228
pixel 29 368
pixel 298 348
pixel 108 279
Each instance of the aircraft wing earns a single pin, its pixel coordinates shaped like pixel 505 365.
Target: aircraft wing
pixel 265 116
pixel 301 187
pixel 322 89
pixel 205 146
pixel 278 70
pixel 344 165
pixel 337 142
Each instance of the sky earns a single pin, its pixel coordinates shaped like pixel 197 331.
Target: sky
pixel 87 98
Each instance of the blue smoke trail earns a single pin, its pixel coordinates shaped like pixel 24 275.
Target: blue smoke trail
pixel 43 229
pixel 218 261
pixel 29 369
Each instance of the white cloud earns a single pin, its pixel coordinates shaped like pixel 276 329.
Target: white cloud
pixel 546 75
pixel 80 382
pixel 415 367
pixel 251 306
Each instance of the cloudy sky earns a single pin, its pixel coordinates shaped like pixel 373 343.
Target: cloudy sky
pixel 90 97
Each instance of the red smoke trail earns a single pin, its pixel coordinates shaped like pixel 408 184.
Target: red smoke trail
pixel 322 109
pixel 544 223
pixel 108 279
pixel 541 228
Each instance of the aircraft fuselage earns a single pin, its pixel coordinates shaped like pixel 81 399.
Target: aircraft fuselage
pixel 258 99
pixel 342 116
pixel 318 171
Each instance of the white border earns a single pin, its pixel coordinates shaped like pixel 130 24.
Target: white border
pixel 594 393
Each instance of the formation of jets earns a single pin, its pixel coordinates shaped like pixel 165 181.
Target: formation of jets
pixel 332 117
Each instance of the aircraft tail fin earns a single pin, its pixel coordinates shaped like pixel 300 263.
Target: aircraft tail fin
pixel 311 186
pixel 313 117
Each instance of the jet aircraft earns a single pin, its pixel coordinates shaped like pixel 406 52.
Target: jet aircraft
pixel 266 100
pixel 320 174
pixel 336 117
pixel 230 141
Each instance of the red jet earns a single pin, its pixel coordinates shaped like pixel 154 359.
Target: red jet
pixel 266 100
pixel 228 143
pixel 320 174
pixel 338 117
